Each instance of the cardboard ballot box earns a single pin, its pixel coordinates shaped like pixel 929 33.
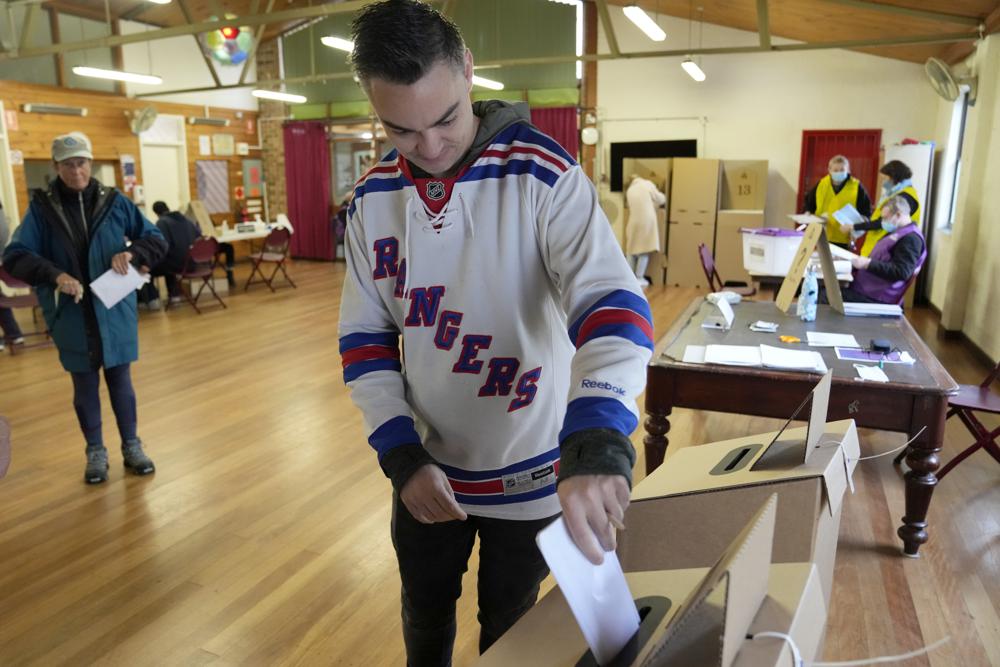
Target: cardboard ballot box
pixel 694 617
pixel 685 513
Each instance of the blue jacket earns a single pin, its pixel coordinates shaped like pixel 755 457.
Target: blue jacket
pixel 47 244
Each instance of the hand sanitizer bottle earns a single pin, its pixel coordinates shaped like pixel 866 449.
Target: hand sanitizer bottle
pixel 806 309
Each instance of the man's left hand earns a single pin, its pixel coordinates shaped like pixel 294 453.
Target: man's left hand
pixel 592 506
pixel 121 261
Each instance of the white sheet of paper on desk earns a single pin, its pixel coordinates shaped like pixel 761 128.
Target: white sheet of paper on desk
pixel 871 373
pixel 821 339
pixel 733 355
pixel 848 215
pixel 598 595
pixel 795 360
pixel 694 354
pixel 111 287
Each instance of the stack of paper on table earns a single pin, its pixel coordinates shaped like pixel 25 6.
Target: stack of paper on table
pixel 856 309
pixel 766 356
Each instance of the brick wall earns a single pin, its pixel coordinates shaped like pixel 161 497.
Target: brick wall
pixel 271 118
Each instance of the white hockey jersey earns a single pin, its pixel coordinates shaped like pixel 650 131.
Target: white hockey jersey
pixel 521 322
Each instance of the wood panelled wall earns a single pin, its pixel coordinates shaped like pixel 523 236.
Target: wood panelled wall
pixel 108 128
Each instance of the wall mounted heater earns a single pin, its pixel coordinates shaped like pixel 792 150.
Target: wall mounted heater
pixel 54 108
pixel 198 120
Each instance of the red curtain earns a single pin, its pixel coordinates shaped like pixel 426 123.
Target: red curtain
pixel 307 177
pixel 560 124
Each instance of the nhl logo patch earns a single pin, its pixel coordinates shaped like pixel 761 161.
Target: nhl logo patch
pixel 435 190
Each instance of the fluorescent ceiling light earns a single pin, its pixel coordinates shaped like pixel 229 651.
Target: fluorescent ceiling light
pixel 281 97
pixel 116 75
pixel 160 2
pixel 338 43
pixel 565 2
pixel 366 135
pixel 638 16
pixel 691 67
pixel 486 83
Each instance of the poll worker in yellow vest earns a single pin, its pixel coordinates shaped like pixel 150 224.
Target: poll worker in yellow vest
pixel 897 183
pixel 835 191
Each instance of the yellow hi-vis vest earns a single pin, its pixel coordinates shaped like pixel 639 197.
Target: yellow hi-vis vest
pixel 873 236
pixel 829 202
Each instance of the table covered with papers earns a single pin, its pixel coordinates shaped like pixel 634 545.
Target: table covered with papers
pixel 914 397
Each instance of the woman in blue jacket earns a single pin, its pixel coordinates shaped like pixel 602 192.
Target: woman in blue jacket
pixel 73 233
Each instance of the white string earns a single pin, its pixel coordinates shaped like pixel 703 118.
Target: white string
pixel 796 654
pixel 885 658
pixel 836 443
pixel 880 660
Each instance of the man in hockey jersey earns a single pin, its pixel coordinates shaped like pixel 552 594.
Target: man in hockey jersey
pixel 480 241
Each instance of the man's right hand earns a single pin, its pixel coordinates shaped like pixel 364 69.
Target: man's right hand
pixel 429 498
pixel 67 284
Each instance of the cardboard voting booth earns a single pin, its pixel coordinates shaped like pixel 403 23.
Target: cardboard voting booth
pixel 694 617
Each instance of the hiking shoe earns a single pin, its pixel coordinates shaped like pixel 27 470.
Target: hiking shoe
pixel 135 459
pixel 97 465
pixel 154 304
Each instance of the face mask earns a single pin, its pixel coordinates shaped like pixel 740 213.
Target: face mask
pixel 889 225
pixel 838 177
pixel 887 187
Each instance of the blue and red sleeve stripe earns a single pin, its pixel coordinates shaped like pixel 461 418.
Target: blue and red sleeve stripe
pixel 362 353
pixel 620 313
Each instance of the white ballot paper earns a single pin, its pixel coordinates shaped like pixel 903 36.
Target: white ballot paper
pixel 112 287
pixel 598 595
pixel 848 215
pixel 823 339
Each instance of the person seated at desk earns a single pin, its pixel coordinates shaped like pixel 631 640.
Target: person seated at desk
pixel 833 192
pixel 180 233
pixel 897 182
pixel 884 275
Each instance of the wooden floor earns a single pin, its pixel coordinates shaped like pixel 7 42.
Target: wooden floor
pixel 263 538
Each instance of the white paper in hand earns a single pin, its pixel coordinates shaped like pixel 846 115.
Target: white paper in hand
pixel 112 287
pixel 598 595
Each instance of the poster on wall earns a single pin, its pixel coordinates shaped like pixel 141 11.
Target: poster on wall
pixel 363 161
pixel 204 145
pixel 253 178
pixel 223 144
pixel 128 172
pixel 213 184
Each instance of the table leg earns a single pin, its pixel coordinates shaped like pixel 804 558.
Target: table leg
pixel 923 461
pixel 655 443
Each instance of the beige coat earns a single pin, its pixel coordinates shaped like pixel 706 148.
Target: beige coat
pixel 641 235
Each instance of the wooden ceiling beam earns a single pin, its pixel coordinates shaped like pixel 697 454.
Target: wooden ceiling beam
pixel 898 10
pixel 956 53
pixel 553 60
pixel 316 11
pixel 609 28
pixel 763 25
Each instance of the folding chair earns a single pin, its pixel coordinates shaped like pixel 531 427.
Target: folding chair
pixel 715 283
pixel 969 400
pixel 200 262
pixel 29 300
pixel 275 251
pixel 4 446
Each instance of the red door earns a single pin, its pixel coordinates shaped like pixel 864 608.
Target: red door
pixel 861 147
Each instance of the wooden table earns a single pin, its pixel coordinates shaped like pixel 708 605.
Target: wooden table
pixel 915 397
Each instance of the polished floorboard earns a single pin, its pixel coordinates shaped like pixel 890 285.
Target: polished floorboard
pixel 263 537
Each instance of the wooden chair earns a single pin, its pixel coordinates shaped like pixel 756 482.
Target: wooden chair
pixel 715 283
pixel 275 252
pixel 29 300
pixel 969 400
pixel 201 260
